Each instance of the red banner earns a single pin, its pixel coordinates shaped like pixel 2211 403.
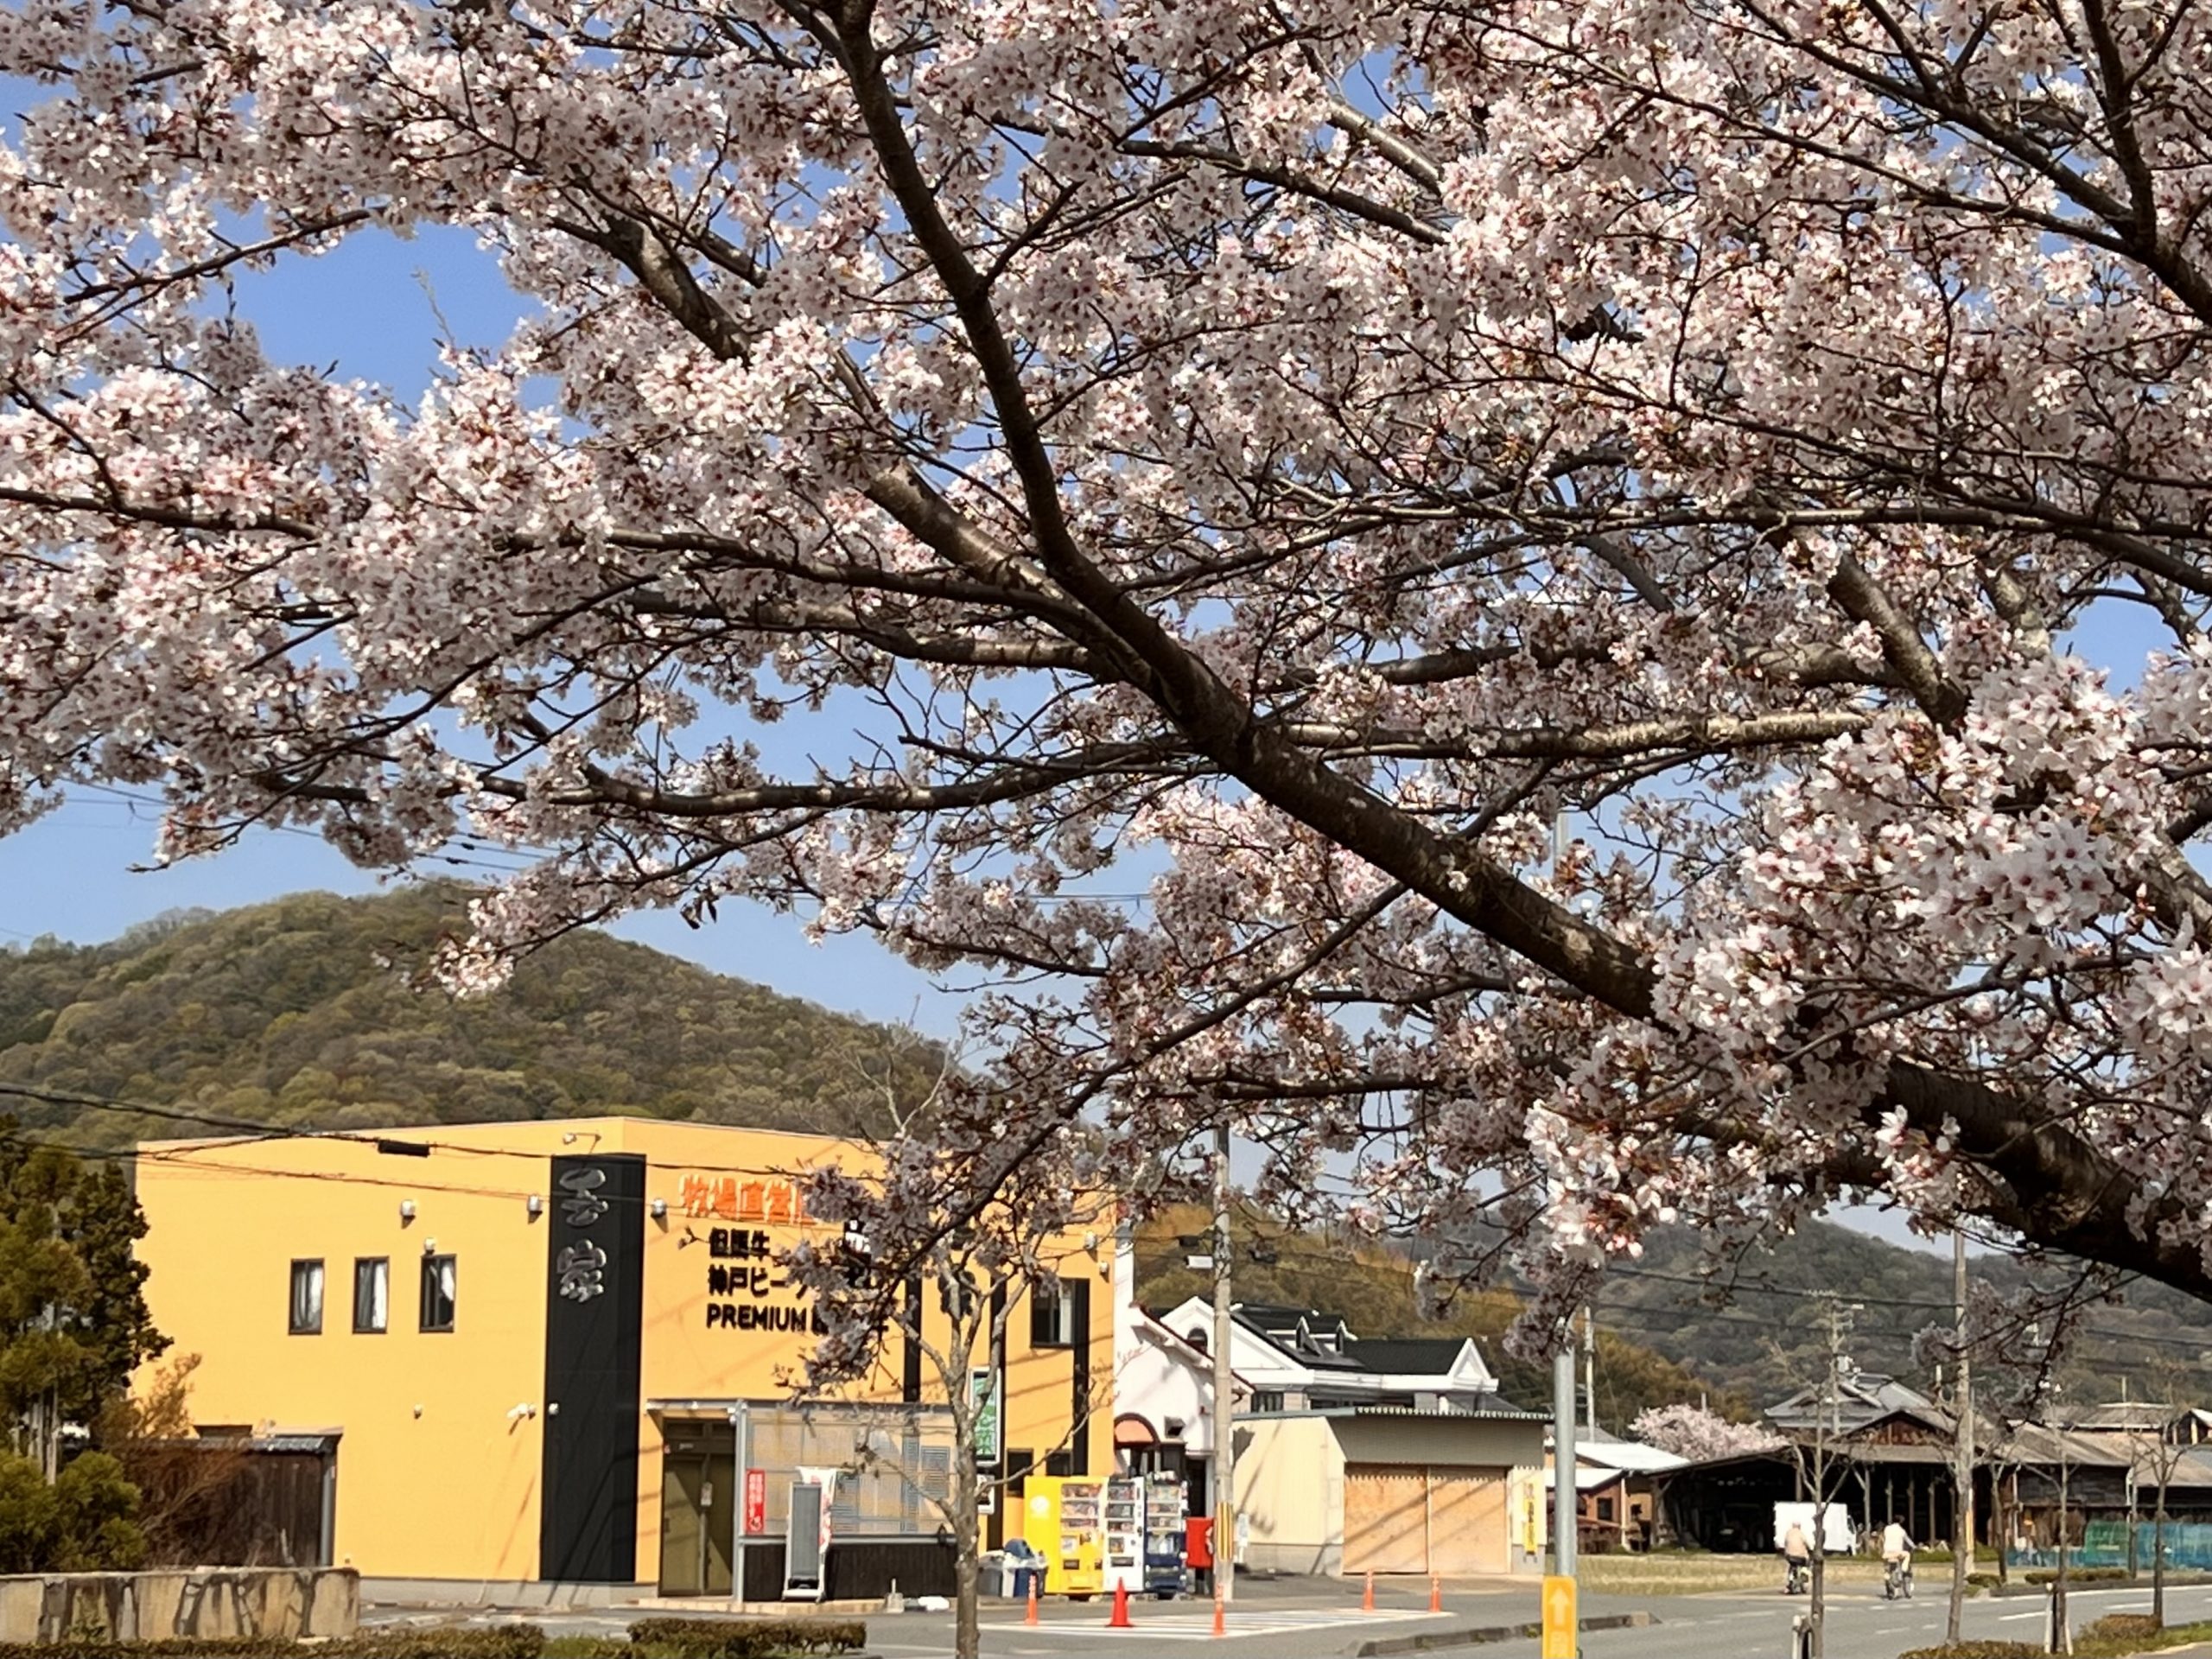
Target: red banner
pixel 756 1501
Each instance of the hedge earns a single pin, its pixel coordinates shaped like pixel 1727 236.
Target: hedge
pixel 2076 1574
pixel 1977 1650
pixel 490 1641
pixel 752 1638
pixel 2121 1627
pixel 650 1638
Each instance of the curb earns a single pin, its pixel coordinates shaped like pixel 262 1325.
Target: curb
pixel 1429 1641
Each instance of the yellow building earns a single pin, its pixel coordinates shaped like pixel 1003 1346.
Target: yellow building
pixel 562 1351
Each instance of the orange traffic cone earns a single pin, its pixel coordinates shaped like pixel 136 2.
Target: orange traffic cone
pixel 1220 1619
pixel 1435 1594
pixel 1367 1602
pixel 1030 1618
pixel 1120 1620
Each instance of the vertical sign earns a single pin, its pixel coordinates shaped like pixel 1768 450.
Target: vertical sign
pixel 1558 1618
pixel 756 1501
pixel 594 1300
pixel 983 1390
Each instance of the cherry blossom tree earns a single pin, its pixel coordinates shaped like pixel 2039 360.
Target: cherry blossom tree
pixel 1699 1432
pixel 1284 458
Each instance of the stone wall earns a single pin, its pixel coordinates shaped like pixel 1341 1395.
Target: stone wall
pixel 281 1603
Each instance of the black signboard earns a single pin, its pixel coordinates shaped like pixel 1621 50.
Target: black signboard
pixel 594 1307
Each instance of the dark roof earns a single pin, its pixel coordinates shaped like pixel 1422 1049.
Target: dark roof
pixel 1857 1405
pixel 1281 1325
pixel 1406 1355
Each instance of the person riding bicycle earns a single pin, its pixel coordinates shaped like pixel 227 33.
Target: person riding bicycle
pixel 1897 1559
pixel 1797 1552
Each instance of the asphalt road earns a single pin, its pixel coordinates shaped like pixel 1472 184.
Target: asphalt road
pixel 1321 1619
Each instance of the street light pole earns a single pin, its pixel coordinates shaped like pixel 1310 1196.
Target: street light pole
pixel 1224 1386
pixel 1563 1464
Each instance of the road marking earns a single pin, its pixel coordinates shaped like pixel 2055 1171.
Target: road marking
pixel 2014 1619
pixel 1199 1627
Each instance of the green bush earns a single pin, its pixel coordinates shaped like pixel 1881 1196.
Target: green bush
pixel 2076 1574
pixel 1977 1650
pixel 754 1639
pixel 487 1642
pixel 81 1523
pixel 2097 1642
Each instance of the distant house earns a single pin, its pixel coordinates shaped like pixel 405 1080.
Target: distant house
pixel 1616 1488
pixel 1307 1359
pixel 1894 1447
pixel 1384 1455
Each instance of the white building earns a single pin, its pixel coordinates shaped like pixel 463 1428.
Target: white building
pixel 1353 1454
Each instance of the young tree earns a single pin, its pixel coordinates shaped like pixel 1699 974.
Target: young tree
pixel 73 1324
pixel 901 1274
pixel 1315 448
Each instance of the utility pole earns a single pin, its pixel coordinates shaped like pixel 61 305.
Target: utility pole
pixel 1225 1385
pixel 1962 1467
pixel 1590 1370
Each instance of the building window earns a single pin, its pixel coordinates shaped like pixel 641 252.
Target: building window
pixel 1605 1509
pixel 372 1294
pixel 437 1292
pixel 307 1299
pixel 1051 1317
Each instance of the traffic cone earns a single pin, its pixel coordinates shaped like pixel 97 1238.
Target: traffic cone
pixel 1367 1601
pixel 1435 1593
pixel 1030 1618
pixel 1120 1620
pixel 1220 1618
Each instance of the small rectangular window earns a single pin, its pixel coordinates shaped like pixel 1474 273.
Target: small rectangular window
pixel 1051 1317
pixel 307 1299
pixel 437 1292
pixel 372 1293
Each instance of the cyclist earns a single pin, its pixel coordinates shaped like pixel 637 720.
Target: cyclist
pixel 1896 1562
pixel 1796 1552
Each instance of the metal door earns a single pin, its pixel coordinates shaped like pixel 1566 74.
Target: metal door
pixel 1386 1518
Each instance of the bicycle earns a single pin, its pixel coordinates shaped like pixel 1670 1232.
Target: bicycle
pixel 1797 1578
pixel 1896 1580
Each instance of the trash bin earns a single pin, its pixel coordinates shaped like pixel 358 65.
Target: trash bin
pixel 994 1576
pixel 1024 1568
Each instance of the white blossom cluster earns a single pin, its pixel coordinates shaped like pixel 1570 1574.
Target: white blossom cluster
pixel 959 463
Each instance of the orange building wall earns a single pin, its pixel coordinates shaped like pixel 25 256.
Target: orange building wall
pixel 453 1492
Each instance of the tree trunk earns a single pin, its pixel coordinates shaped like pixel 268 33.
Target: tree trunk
pixel 2158 1555
pixel 966 1626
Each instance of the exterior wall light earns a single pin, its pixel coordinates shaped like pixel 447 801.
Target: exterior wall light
pixel 406 1210
pixel 660 1209
pixel 535 1205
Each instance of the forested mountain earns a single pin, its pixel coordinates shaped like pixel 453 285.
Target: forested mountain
pixel 312 1011
pixel 1766 1337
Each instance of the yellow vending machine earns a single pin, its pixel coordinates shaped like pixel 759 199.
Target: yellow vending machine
pixel 1063 1518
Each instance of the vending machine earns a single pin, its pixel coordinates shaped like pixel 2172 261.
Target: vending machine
pixel 1125 1535
pixel 1064 1520
pixel 1166 1572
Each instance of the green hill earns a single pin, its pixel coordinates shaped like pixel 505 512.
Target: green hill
pixel 312 1011
pixel 1766 1338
